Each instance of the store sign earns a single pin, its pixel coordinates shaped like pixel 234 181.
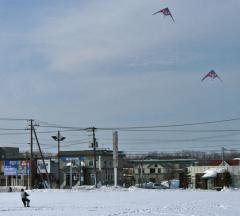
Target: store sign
pixel 81 158
pixel 41 167
pixel 15 168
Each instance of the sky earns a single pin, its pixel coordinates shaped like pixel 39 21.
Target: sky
pixel 113 64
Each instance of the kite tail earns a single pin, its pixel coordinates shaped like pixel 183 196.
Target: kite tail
pixel 172 18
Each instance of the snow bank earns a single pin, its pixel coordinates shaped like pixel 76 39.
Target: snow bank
pixel 14 188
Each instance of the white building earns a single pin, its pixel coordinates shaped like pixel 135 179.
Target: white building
pixel 206 176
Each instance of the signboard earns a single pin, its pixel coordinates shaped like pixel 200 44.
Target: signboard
pixel 41 168
pixel 15 168
pixel 81 158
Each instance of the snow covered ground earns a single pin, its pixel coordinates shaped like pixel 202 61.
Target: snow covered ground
pixel 108 201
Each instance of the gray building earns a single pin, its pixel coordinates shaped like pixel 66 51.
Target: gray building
pixel 81 165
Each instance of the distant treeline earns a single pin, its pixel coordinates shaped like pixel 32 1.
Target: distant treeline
pixel 202 157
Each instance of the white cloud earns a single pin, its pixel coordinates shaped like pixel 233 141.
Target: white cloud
pixel 118 64
pixel 101 33
pixel 86 38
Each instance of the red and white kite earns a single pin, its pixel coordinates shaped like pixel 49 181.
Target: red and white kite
pixel 165 12
pixel 212 74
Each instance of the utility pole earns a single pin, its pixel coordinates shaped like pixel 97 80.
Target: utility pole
pixel 142 173
pixel 100 169
pixel 115 156
pixel 41 154
pixel 28 165
pixel 94 155
pixel 71 174
pixel 31 154
pixel 58 140
pixel 223 155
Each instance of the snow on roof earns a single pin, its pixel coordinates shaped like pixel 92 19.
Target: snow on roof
pixel 212 172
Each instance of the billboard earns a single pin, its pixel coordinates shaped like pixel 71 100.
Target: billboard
pixel 15 167
pixel 41 167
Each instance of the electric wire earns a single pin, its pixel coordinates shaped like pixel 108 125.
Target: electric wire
pixel 132 142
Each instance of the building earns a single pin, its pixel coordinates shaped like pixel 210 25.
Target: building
pixel 152 170
pixel 81 165
pixel 7 152
pixel 13 171
pixel 15 168
pixel 76 168
pixel 213 175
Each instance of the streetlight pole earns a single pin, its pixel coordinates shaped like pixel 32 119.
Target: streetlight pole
pixel 58 138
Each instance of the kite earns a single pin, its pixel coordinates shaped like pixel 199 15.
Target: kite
pixel 165 12
pixel 212 74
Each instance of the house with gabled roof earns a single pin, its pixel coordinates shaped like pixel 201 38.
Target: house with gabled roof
pixel 158 170
pixel 213 176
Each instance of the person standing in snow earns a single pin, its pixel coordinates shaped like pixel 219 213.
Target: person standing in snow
pixel 25 200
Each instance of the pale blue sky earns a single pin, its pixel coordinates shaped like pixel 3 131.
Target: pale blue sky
pixel 111 63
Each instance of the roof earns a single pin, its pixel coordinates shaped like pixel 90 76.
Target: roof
pixel 229 162
pixel 89 153
pixel 188 160
pixel 212 172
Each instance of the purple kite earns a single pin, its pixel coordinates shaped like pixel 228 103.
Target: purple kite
pixel 212 74
pixel 165 12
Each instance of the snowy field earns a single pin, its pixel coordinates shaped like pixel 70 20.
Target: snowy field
pixel 121 202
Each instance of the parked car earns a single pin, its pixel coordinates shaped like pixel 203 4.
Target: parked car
pixel 40 185
pixel 157 186
pixel 148 185
pixel 218 188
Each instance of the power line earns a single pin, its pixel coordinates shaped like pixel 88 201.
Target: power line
pixel 154 130
pixel 139 127
pixel 170 125
pixel 65 127
pixel 12 129
pixel 182 131
pixel 173 152
pixel 14 119
pixel 20 133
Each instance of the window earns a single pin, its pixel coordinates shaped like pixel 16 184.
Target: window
pixel 152 170
pixel 90 163
pixel 159 170
pixel 139 170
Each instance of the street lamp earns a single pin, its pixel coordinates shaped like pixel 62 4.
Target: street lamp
pixel 58 138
